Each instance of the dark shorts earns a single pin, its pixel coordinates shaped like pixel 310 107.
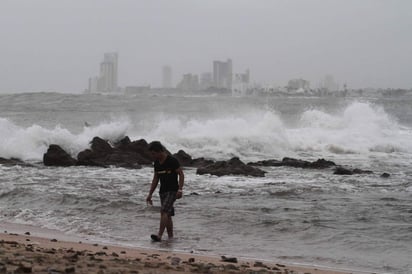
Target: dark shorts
pixel 167 199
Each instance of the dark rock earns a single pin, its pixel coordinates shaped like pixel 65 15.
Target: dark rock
pixel 125 159
pixel 361 171
pixel 229 259
pixel 342 171
pixel 318 164
pixel 345 171
pixel 385 175
pixel 89 158
pixel 183 158
pixel 321 163
pixel 125 154
pixel 56 156
pixel 271 162
pixel 123 143
pixel 99 145
pixel 141 150
pixel 200 162
pixel 186 160
pixel 13 162
pixel 232 167
pixel 294 162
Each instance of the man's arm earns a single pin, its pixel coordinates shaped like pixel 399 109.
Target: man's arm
pixel 153 186
pixel 181 182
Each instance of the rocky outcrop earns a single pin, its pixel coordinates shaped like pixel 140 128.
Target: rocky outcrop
pixel 140 148
pixel 232 167
pixel 346 171
pixel 13 162
pixel 56 156
pixel 186 160
pixel 133 154
pixel 292 162
pixel 124 154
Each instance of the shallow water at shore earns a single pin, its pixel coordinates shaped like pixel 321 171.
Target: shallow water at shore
pixel 295 218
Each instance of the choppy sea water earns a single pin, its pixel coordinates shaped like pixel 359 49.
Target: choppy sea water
pixel 293 215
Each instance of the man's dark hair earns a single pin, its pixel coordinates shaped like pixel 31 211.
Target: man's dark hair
pixel 156 146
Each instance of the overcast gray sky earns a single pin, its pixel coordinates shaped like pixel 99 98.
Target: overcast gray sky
pixel 55 45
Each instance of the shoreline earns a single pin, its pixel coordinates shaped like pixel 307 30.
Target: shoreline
pixel 31 249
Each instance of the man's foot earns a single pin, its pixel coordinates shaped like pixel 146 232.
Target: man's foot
pixel 155 238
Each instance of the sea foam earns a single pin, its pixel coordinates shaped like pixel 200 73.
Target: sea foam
pixel 360 128
pixel 31 143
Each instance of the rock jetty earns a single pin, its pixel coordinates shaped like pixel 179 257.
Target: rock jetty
pixel 135 154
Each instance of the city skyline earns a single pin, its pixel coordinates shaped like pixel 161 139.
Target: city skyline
pixel 221 78
pixel 55 46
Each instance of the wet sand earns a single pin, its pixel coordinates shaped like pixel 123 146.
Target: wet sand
pixel 25 253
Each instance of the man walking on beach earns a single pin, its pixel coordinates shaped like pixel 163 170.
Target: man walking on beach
pixel 166 169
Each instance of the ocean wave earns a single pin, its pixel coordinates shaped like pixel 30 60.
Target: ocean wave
pixel 254 134
pixel 30 143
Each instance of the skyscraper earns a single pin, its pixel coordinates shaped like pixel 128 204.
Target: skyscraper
pixel 108 73
pixel 222 74
pixel 166 77
pixel 107 79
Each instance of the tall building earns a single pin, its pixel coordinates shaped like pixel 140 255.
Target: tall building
pixel 167 77
pixel 108 72
pixel 107 81
pixel 222 74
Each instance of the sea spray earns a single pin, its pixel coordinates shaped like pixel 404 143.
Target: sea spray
pixel 29 144
pixel 252 136
pixel 361 128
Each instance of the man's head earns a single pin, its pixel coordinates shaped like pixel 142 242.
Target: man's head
pixel 157 150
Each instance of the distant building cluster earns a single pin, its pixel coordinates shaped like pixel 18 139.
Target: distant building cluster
pixel 107 81
pixel 221 79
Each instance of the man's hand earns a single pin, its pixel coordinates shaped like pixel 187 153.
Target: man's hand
pixel 179 194
pixel 149 200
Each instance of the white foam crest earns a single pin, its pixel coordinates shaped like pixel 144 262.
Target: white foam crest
pixel 360 128
pixel 250 136
pixel 32 142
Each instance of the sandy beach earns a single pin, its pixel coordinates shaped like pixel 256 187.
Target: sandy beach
pixel 29 253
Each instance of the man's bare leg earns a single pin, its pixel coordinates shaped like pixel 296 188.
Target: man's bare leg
pixel 169 227
pixel 164 220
